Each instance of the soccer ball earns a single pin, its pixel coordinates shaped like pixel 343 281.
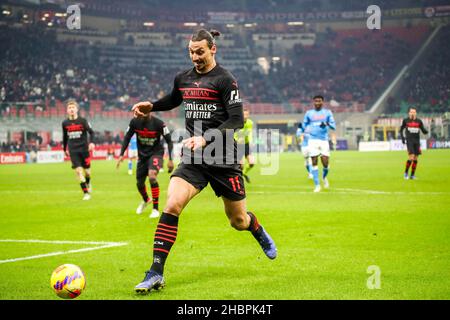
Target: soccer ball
pixel 68 281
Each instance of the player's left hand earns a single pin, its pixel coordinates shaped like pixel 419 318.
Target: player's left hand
pixel 91 146
pixel 170 166
pixel 323 125
pixel 194 143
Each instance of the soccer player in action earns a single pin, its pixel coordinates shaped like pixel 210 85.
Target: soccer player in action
pixel 132 153
pixel 149 131
pixel 213 111
pixel 317 122
pixel 244 138
pixel 413 126
pixel 304 139
pixel 75 130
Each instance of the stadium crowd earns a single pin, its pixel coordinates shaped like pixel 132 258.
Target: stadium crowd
pixel 39 68
pixel 429 87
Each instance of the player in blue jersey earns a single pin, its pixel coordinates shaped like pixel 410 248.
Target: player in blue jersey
pixel 317 122
pixel 132 154
pixel 304 139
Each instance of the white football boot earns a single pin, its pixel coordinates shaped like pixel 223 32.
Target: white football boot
pixel 154 214
pixel 326 184
pixel 87 196
pixel 142 207
pixel 317 188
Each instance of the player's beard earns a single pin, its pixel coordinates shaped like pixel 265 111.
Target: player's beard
pixel 200 65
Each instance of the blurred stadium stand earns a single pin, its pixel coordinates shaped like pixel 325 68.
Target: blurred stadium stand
pixel 116 60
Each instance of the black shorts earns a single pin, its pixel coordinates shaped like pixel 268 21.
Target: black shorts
pixel 225 181
pixel 243 147
pixel 154 162
pixel 80 159
pixel 413 147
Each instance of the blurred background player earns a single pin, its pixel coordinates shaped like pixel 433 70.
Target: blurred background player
pixel 148 130
pixel 244 138
pixel 413 126
pixel 132 153
pixel 317 122
pixel 304 138
pixel 75 130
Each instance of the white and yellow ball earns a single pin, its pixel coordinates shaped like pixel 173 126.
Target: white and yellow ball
pixel 68 281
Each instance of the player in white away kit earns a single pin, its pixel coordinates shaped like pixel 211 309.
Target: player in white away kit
pixel 304 139
pixel 317 122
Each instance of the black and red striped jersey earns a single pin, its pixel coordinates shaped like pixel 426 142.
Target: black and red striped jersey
pixel 75 134
pixel 149 131
pixel 207 97
pixel 210 101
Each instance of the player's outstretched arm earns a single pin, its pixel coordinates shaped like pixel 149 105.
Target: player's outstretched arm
pixel 170 101
pixel 166 103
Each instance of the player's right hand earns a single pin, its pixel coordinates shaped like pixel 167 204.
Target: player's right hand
pixel 323 125
pixel 403 141
pixel 119 161
pixel 67 153
pixel 194 142
pixel 137 112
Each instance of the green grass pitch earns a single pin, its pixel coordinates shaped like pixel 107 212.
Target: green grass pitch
pixel 326 242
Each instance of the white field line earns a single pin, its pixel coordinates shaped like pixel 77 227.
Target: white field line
pixel 281 188
pixel 346 190
pixel 100 245
pixel 59 191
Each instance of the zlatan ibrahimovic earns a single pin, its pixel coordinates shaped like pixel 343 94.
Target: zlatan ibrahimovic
pixel 210 97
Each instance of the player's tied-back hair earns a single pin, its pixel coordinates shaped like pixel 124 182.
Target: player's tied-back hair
pixel 204 34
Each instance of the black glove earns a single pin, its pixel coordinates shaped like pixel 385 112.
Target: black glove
pixel 323 125
pixel 403 141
